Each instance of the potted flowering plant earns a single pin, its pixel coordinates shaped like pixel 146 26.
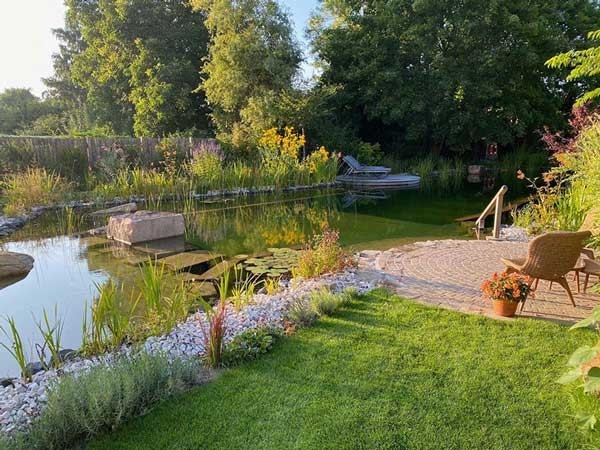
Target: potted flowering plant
pixel 506 292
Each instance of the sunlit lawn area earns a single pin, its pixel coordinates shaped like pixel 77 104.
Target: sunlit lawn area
pixel 383 373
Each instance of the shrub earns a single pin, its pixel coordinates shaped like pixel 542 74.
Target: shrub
pixel 33 187
pixel 301 314
pixel 570 189
pixel 369 154
pixel 323 255
pixel 102 399
pixel 206 165
pixel 325 302
pixel 584 376
pixel 250 345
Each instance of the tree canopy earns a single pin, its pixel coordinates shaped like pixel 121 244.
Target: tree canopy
pixel 252 59
pixel 585 65
pixel 446 75
pixel 135 64
pixel 21 111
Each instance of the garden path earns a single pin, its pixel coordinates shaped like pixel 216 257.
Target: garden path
pixel 449 274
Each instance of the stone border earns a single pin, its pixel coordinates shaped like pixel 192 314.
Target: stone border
pixel 9 225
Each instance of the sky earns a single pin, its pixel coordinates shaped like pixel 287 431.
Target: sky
pixel 27 42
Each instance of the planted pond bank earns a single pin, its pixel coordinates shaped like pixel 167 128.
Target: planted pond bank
pixel 22 401
pixel 67 267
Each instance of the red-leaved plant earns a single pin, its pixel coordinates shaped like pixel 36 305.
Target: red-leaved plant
pixel 581 118
pixel 213 332
pixel 512 287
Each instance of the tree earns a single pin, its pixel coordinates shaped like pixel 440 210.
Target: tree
pixel 431 75
pixel 20 110
pixel 61 85
pixel 585 64
pixel 252 59
pixel 136 63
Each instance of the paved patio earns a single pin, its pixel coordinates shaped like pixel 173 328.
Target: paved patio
pixel 449 274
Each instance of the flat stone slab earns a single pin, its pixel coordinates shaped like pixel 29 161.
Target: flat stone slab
pixel 145 226
pixel 215 272
pixel 127 208
pixel 188 260
pixel 94 242
pixel 163 247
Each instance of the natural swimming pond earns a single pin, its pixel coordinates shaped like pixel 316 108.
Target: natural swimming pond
pixel 67 268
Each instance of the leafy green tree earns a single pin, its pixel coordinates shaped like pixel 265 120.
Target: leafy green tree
pixel 60 86
pixel 136 62
pixel 442 75
pixel 585 65
pixel 252 59
pixel 20 110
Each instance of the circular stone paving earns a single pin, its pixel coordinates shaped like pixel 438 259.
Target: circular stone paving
pixel 449 274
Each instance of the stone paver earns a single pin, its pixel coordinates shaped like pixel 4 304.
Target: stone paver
pixel 449 274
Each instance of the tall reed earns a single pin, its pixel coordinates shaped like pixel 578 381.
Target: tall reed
pixel 52 336
pixel 16 347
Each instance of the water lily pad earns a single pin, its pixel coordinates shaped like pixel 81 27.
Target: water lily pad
pixel 279 263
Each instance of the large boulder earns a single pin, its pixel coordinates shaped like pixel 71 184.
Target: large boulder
pixel 144 226
pixel 14 267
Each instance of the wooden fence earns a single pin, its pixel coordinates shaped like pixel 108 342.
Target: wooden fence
pixel 51 150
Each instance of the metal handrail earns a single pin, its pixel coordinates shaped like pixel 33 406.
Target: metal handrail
pixel 496 206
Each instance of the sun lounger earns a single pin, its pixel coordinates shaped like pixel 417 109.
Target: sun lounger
pixel 357 169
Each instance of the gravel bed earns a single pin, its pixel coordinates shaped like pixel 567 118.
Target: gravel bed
pixel 21 401
pixel 512 233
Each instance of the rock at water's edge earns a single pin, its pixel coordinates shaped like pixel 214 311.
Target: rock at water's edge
pixel 14 267
pixel 127 208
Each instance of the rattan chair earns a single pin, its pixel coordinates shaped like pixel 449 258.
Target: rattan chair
pixel 550 257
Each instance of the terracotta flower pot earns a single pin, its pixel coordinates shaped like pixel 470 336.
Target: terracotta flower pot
pixel 505 308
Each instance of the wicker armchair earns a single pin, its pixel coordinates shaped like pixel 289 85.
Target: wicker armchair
pixel 550 257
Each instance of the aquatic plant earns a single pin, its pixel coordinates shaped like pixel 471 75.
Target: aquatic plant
pixel 243 289
pixel 281 262
pixel 15 348
pixel 165 302
pixel 111 319
pixel 52 336
pixel 223 285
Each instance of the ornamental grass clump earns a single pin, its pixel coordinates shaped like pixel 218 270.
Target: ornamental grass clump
pixel 33 187
pixel 213 332
pixel 323 255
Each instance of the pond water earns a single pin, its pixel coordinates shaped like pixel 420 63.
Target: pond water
pixel 67 269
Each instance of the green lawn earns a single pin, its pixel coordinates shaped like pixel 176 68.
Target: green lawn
pixel 385 373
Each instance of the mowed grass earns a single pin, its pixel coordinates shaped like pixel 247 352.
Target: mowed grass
pixel 384 373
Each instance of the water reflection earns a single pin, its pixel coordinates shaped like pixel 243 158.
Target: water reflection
pixel 61 276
